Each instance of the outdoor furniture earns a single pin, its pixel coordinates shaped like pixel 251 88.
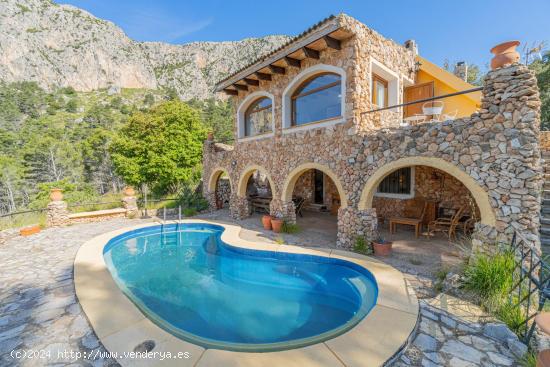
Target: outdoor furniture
pixel 449 116
pixel 260 204
pixel 434 108
pixel 299 206
pixel 414 120
pixel 446 225
pixel 415 222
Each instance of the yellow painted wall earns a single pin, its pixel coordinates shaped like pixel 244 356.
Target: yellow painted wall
pixel 445 83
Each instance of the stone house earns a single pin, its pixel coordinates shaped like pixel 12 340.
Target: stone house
pixel 315 118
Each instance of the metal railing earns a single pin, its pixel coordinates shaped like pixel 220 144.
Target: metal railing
pixel 531 284
pixel 424 100
pixel 22 218
pixel 75 208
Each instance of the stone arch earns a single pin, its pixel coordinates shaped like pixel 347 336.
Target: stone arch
pixel 216 173
pixel 288 186
pixel 303 76
pixel 245 176
pixel 478 193
pixel 251 98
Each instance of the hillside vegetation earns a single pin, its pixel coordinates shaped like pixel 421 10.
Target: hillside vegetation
pixel 63 138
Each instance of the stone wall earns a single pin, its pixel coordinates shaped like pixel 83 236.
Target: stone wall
pixel 223 191
pixel 495 152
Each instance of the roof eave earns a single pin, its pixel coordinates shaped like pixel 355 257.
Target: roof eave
pixel 295 45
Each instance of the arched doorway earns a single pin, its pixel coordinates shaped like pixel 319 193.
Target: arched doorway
pixel 428 208
pixel 256 185
pixel 219 187
pixel 478 194
pixel 317 194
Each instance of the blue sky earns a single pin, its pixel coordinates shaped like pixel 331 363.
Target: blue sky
pixel 454 30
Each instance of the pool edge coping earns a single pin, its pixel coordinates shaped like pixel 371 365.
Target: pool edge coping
pixel 120 325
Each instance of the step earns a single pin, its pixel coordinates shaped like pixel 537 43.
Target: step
pixel 545 241
pixel 544 232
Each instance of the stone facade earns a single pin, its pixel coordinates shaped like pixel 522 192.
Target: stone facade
pixel 494 153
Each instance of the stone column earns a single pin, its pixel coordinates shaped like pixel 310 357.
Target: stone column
pixel 211 198
pixel 129 202
pixel 354 223
pixel 284 210
pixel 57 213
pixel 239 207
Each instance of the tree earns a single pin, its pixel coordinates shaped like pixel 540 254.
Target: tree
pixel 217 116
pixel 542 71
pixel 159 148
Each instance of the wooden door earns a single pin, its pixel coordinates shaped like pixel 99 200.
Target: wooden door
pixel 414 93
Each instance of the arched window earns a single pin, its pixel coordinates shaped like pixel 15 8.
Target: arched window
pixel 318 98
pixel 258 118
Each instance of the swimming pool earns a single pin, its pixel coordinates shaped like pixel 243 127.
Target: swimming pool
pixel 189 282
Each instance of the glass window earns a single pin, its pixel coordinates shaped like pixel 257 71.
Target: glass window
pixel 258 117
pixel 397 182
pixel 379 91
pixel 319 98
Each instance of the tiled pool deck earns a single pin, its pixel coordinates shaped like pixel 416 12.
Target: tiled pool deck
pixel 39 311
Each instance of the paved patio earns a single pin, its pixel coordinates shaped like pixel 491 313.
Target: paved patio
pixel 39 310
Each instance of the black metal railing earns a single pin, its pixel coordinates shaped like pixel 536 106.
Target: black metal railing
pixel 424 100
pixel 81 207
pixel 531 284
pixel 22 218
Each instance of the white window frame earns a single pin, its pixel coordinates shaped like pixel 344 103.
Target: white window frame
pixel 297 82
pixel 410 195
pixel 249 100
pixel 376 67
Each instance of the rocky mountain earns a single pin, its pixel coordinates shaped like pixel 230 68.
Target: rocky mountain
pixel 61 45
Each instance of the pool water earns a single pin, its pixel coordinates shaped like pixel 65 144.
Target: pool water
pixel 190 283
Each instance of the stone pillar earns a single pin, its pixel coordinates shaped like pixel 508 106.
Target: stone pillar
pixel 211 198
pixel 510 111
pixel 284 210
pixel 57 213
pixel 129 202
pixel 354 223
pixel 239 207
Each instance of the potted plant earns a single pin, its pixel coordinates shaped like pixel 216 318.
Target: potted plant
pixel 276 224
pixel 129 191
pixel 266 221
pixel 505 54
pixel 380 246
pixel 56 194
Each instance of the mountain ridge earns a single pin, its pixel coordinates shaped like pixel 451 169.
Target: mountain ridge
pixel 59 45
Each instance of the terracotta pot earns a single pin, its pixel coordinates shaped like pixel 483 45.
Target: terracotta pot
pixel 219 204
pixel 56 194
pixel 27 231
pixel 277 225
pixel 266 221
pixel 382 249
pixel 505 54
pixel 210 136
pixel 129 191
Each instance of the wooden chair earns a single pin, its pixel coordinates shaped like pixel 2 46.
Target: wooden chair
pixel 415 222
pixel 299 206
pixel 446 225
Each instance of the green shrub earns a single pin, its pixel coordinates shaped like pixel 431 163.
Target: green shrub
pixel 290 228
pixel 189 212
pixel 528 360
pixel 362 247
pixel 490 277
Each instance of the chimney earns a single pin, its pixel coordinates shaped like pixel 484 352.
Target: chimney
pixel 411 45
pixel 461 70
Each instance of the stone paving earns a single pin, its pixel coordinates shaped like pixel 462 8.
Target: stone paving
pixel 39 310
